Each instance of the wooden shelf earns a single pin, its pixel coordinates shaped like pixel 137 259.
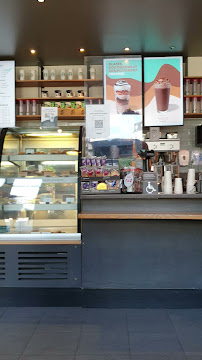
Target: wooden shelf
pixel 139 216
pixel 73 98
pixel 193 77
pixel 38 117
pixel 192 96
pixel 58 83
pixel 192 115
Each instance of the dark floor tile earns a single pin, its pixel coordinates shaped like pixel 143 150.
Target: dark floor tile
pixel 103 357
pixel 47 357
pixel 104 319
pixel 22 315
pixel 13 328
pixel 9 357
pixel 55 326
pixel 191 341
pixel 150 343
pixel 186 319
pixel 13 343
pixel 103 342
pixel 52 344
pixel 159 356
pixel 194 356
pixel 63 311
pixel 149 321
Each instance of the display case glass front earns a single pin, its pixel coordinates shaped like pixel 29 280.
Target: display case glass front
pixel 39 181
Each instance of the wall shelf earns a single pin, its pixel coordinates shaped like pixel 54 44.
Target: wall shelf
pixel 193 115
pixel 73 98
pixel 193 96
pixel 38 117
pixel 58 83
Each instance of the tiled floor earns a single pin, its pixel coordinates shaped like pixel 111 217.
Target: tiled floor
pixel 100 334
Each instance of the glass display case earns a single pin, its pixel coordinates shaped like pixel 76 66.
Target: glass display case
pixel 39 181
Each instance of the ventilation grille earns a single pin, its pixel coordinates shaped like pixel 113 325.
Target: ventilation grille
pixel 2 266
pixel 43 265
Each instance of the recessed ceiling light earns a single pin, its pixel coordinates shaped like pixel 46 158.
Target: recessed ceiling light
pixel 127 49
pixel 172 47
pixel 41 0
pixel 81 49
pixel 33 51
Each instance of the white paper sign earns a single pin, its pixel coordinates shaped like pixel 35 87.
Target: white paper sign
pixel 7 94
pixel 97 121
pixel 49 117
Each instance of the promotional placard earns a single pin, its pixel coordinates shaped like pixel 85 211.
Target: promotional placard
pixel 163 91
pixel 123 93
pixel 49 117
pixel 7 94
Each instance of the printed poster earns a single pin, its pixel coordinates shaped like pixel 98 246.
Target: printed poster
pixel 163 91
pixel 123 93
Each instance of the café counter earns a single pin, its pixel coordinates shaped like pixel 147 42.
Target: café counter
pixel 141 241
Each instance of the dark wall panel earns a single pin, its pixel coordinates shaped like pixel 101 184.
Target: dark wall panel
pixel 142 254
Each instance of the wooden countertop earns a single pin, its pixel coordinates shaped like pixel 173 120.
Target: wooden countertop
pixel 39 242
pixel 149 216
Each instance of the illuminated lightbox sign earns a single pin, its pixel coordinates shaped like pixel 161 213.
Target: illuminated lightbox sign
pixel 163 91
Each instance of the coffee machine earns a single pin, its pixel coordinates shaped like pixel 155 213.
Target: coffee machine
pixel 165 156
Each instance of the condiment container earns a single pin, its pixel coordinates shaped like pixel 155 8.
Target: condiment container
pixel 187 87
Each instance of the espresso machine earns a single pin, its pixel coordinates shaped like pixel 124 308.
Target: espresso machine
pixel 165 156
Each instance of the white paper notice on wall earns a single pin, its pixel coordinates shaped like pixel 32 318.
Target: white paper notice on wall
pixel 97 121
pixel 7 94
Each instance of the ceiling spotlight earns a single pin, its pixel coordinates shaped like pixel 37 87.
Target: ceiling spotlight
pixel 41 1
pixel 172 47
pixel 82 50
pixel 127 49
pixel 33 51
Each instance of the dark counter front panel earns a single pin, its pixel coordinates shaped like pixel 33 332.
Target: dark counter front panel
pixel 141 254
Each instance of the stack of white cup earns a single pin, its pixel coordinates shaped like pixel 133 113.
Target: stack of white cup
pixel 178 186
pixel 191 181
pixel 168 187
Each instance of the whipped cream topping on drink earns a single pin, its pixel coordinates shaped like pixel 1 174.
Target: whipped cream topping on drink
pixel 122 95
pixel 162 82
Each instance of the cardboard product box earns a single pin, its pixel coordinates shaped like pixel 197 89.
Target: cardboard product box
pixel 79 112
pixel 66 112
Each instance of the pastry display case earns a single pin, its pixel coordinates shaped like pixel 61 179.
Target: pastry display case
pixel 39 182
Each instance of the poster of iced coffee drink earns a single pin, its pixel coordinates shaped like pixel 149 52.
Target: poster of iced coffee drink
pixel 163 91
pixel 123 92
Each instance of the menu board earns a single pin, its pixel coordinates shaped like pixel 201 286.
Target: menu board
pixel 123 94
pixel 163 91
pixel 7 94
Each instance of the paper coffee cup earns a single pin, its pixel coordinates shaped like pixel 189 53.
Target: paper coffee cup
pixel 178 186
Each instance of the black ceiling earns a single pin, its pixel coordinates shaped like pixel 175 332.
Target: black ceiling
pixel 58 28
